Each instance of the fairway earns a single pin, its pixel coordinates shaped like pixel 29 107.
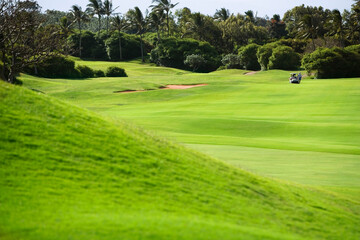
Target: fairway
pixel 307 133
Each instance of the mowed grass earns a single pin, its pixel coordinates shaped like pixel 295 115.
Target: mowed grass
pixel 313 128
pixel 68 173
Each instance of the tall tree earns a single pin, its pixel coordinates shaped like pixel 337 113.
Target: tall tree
pixel 335 26
pixel 80 17
pixel 119 24
pixel 249 16
pixel 65 29
pixel 138 21
pixel 95 7
pixel 222 15
pixel 166 6
pixel 24 40
pixel 108 10
pixel 156 21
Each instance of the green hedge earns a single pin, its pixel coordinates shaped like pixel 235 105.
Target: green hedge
pixel 333 62
pixel 248 57
pixel 284 57
pixel 172 52
pixel 115 72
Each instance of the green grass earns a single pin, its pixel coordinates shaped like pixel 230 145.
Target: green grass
pixel 69 173
pixel 307 133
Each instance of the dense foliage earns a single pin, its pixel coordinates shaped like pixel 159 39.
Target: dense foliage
pixel 333 63
pixel 248 57
pixel 115 72
pixel 285 58
pixel 172 52
pixel 128 45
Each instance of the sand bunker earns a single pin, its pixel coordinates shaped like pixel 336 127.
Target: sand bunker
pixel 250 73
pixel 183 86
pixel 166 87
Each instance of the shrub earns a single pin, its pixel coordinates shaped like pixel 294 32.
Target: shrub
pixel 332 63
pixel 172 52
pixel 263 54
pixel 232 61
pixel 115 72
pixel 353 48
pixel 285 58
pixel 55 67
pixel 195 61
pixel 85 71
pixel 99 73
pixel 248 57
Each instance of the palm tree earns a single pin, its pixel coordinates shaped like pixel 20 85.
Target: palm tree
pixel 79 17
pixel 65 30
pixel 156 21
pixel 108 10
pixel 307 29
pixel 222 14
pixel 166 6
pixel 95 7
pixel 119 24
pixel 139 22
pixel 336 26
pixel 249 16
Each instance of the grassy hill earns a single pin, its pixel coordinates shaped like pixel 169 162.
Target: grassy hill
pixel 307 133
pixel 68 173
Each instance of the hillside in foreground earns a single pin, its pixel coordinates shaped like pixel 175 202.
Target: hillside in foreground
pixel 67 173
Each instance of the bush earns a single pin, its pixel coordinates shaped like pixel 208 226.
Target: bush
pixel 232 61
pixel 99 73
pixel 285 58
pixel 353 48
pixel 115 72
pixel 55 67
pixel 263 54
pixel 172 52
pixel 195 61
pixel 85 71
pixel 332 63
pixel 248 57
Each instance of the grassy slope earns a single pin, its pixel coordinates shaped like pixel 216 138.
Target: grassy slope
pixel 66 173
pixel 306 133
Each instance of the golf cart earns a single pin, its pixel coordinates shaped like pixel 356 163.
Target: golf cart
pixel 294 78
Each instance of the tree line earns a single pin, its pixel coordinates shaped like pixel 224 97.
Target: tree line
pixel 29 36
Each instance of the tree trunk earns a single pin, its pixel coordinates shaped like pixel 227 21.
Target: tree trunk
pixel 11 76
pixel 80 40
pixel 107 25
pixel 167 23
pixel 120 48
pixel 158 35
pixel 3 66
pixel 142 51
pixel 99 25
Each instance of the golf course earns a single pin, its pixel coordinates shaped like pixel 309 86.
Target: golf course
pixel 242 156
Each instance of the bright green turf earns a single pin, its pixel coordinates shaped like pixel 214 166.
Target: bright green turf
pixel 67 173
pixel 313 128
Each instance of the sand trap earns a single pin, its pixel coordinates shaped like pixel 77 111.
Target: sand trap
pixel 250 73
pixel 166 87
pixel 183 86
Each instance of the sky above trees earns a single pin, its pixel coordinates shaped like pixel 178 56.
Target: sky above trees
pixel 262 7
